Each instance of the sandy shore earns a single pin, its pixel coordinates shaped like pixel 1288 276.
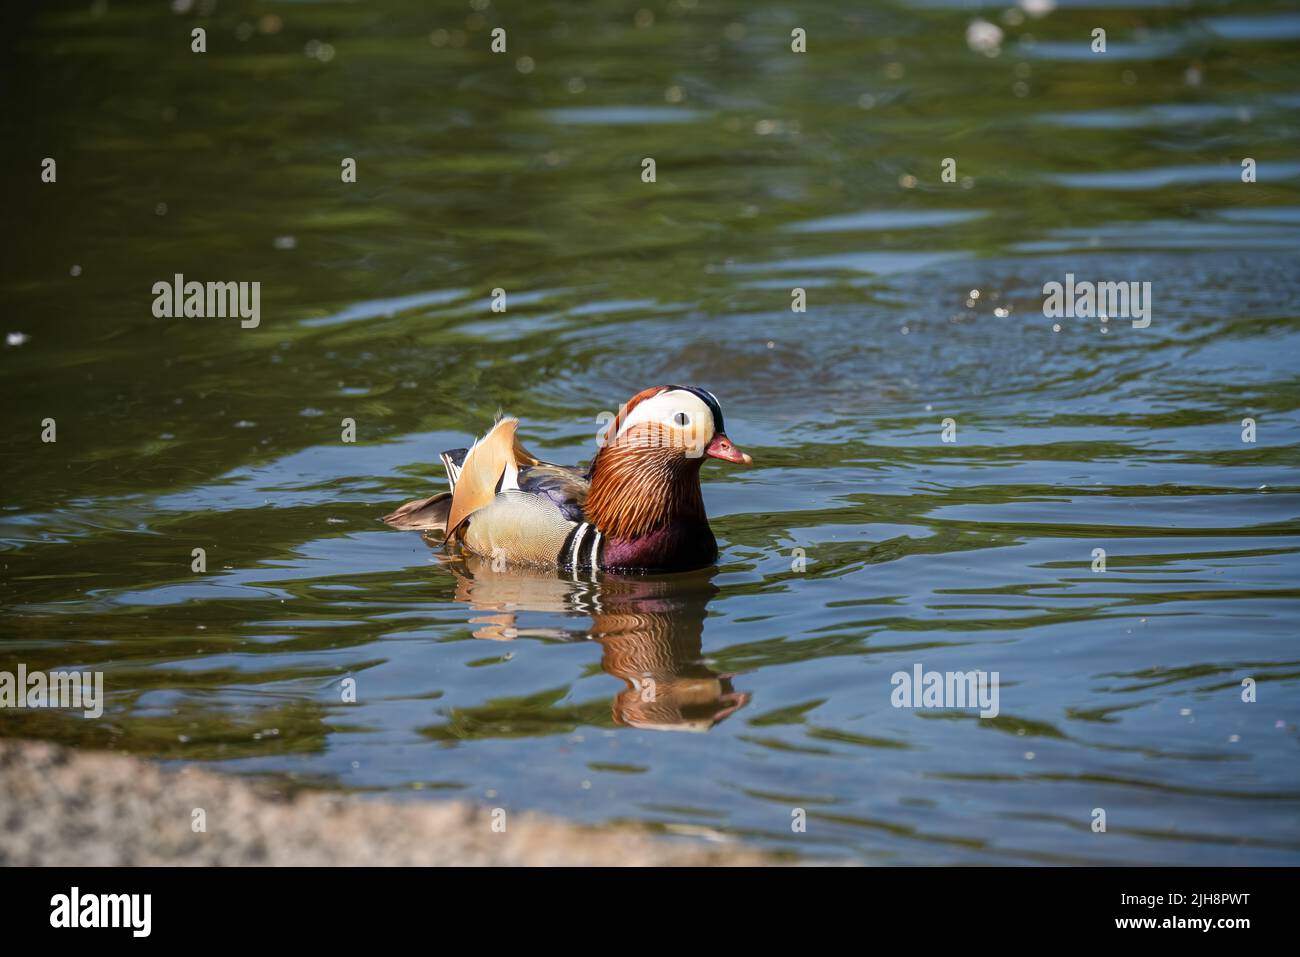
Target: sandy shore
pixel 64 807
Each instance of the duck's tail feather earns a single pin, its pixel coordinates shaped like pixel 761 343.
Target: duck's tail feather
pixel 426 514
pixel 452 461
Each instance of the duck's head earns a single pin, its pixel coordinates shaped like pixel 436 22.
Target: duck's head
pixel 647 470
pixel 684 419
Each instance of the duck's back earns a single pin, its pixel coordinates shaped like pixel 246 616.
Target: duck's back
pixel 566 487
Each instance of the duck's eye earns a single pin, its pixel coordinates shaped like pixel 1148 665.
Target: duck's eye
pixel 682 419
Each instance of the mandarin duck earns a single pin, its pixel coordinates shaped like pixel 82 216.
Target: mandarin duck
pixel 637 507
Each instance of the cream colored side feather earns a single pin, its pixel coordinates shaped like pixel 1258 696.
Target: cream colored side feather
pixel 518 527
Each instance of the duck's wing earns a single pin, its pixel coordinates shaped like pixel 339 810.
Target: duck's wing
pixel 566 487
pixel 489 468
pixel 534 511
pixel 496 463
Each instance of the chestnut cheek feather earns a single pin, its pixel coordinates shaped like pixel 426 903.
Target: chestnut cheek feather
pixel 642 484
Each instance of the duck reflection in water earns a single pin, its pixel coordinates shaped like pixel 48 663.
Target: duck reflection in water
pixel 649 628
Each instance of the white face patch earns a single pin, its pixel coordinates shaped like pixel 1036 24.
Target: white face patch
pixel 683 417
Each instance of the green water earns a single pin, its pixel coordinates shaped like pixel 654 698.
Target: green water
pixel 1119 689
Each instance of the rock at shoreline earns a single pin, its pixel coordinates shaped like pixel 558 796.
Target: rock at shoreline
pixel 71 808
